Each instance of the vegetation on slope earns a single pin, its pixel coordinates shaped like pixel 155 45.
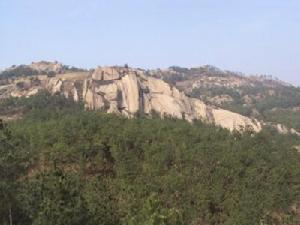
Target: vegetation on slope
pixel 291 118
pixel 259 97
pixel 62 165
pixel 259 100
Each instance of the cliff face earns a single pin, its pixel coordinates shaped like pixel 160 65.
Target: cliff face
pixel 126 91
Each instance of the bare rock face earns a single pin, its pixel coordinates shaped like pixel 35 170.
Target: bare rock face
pixel 129 91
pixel 233 121
pixel 106 73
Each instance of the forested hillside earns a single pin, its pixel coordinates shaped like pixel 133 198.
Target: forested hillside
pixel 62 165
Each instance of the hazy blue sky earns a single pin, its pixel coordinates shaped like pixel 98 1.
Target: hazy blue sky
pixel 252 36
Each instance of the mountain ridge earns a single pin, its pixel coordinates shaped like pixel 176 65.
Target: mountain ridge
pixel 127 91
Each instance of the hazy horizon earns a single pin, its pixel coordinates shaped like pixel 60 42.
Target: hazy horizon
pixel 252 37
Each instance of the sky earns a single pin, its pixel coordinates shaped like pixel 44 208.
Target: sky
pixel 250 36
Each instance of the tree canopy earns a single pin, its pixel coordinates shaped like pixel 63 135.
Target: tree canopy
pixel 62 165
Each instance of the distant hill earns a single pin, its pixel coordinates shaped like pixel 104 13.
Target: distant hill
pixel 36 68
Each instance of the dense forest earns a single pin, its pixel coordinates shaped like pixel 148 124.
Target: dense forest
pixel 62 165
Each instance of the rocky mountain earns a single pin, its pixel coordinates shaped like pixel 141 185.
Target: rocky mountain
pixel 263 97
pixel 120 90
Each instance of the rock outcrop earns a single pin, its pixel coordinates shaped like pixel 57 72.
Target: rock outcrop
pixel 46 67
pixel 128 92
